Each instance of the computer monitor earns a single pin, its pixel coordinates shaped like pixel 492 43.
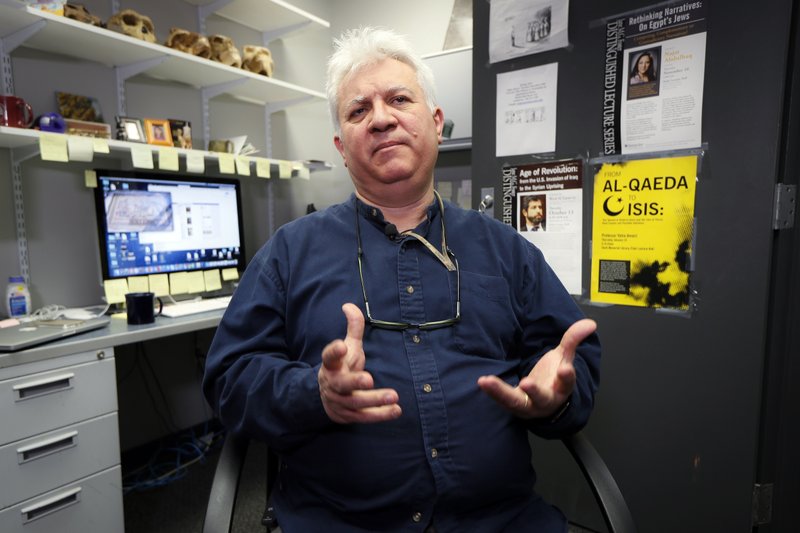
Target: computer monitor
pixel 154 223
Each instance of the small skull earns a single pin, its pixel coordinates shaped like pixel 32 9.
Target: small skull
pixel 189 42
pixel 258 59
pixel 132 23
pixel 81 14
pixel 224 51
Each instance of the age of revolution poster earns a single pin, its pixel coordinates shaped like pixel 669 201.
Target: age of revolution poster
pixel 544 202
pixel 643 220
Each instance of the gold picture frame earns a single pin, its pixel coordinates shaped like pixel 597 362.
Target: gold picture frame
pixel 157 131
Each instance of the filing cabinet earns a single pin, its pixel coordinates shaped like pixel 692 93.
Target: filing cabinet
pixel 59 445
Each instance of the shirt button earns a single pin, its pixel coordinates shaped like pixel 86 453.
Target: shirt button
pixel 427 387
pixel 434 453
pixel 416 517
pixel 374 212
pixel 410 289
pixel 416 339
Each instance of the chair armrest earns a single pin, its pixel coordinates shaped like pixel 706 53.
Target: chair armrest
pixel 224 488
pixel 612 504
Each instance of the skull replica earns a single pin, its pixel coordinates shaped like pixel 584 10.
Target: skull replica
pixel 81 14
pixel 224 51
pixel 189 42
pixel 132 23
pixel 258 59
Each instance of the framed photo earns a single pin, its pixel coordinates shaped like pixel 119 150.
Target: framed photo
pixel 130 129
pixel 157 131
pixel 181 133
pixel 79 107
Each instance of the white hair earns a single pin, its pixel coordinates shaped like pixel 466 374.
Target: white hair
pixel 365 46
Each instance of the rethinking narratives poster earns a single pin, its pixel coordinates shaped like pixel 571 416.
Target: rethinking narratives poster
pixel 653 81
pixel 643 220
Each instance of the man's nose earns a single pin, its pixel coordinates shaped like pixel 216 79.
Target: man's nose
pixel 382 117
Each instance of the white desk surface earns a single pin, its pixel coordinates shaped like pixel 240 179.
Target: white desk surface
pixel 118 332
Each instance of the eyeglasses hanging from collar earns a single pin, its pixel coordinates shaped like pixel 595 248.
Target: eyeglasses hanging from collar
pixel 446 257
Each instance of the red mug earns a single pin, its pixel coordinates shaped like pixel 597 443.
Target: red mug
pixel 15 112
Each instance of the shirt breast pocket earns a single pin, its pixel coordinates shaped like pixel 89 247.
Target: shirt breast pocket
pixel 488 325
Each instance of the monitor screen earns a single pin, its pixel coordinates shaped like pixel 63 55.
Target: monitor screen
pixel 151 223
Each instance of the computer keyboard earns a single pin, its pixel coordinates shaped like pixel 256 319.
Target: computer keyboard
pixel 195 306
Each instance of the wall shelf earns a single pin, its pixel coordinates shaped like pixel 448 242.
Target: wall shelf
pixel 60 35
pixel 273 17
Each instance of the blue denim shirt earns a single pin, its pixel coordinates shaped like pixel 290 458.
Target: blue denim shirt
pixel 454 456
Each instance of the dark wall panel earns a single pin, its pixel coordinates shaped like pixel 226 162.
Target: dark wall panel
pixel 677 415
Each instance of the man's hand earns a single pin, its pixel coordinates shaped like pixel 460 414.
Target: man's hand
pixel 542 392
pixel 345 388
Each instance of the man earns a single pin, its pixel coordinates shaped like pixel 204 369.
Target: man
pixel 534 214
pixel 394 350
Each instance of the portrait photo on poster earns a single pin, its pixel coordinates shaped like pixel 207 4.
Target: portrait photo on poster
pixel 643 75
pixel 532 212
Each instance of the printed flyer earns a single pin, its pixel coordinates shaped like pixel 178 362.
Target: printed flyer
pixel 642 228
pixel 654 74
pixel 544 202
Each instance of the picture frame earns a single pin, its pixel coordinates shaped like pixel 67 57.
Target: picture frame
pixel 130 129
pixel 157 131
pixel 181 133
pixel 79 107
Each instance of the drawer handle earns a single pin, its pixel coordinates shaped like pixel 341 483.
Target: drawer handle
pixel 45 447
pixel 51 505
pixel 40 387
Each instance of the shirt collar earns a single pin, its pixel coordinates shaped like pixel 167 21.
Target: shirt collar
pixel 374 215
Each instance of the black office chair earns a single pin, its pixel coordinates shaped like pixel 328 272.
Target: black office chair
pixel 224 489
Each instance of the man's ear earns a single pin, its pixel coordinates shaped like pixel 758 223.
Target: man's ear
pixel 337 141
pixel 438 119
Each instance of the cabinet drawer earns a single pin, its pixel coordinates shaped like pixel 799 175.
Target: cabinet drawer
pixel 91 504
pixel 35 465
pixel 36 403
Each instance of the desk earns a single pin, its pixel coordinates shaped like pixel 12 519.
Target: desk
pixel 59 446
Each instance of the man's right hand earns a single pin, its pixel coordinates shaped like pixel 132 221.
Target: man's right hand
pixel 347 390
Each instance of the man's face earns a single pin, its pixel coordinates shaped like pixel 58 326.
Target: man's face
pixel 534 213
pixel 389 137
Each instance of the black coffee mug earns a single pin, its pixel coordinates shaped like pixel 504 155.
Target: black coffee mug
pixel 141 307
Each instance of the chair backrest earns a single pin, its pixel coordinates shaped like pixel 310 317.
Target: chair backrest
pixel 224 488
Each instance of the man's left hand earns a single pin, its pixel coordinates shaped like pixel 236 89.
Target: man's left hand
pixel 550 382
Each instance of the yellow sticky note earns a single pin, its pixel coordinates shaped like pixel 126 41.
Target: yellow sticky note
pixel 100 145
pixel 115 290
pixel 195 281
pixel 284 170
pixel 138 284
pixel 80 148
pixel 262 167
pixel 53 147
pixel 212 280
pixel 303 172
pixel 90 178
pixel 243 165
pixel 230 274
pixel 141 156
pixel 168 159
pixel 195 162
pixel 159 284
pixel 227 163
pixel 178 284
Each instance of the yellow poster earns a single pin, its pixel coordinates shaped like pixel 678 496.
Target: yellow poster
pixel 642 226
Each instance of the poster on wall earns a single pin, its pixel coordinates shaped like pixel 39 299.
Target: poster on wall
pixel 653 82
pixel 544 202
pixel 642 229
pixel 526 111
pixel 523 27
